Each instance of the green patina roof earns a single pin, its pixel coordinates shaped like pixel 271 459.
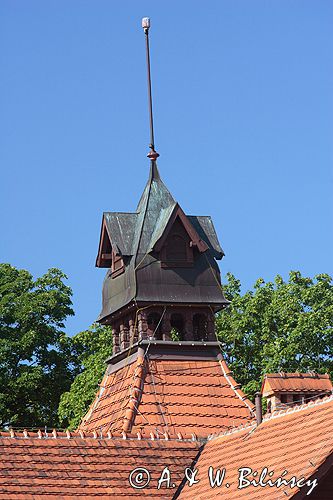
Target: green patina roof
pixel 134 236
pixel 147 224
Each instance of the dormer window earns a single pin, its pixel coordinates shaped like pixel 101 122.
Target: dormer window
pixel 294 388
pixel 177 250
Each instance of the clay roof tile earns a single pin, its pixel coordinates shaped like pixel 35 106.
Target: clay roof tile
pixel 296 382
pixel 85 467
pixel 297 440
pixel 175 396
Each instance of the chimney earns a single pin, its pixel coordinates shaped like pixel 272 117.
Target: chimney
pixel 258 397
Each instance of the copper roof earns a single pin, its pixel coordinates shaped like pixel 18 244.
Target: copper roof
pixel 135 235
pixel 296 382
pixel 68 466
pixel 297 440
pixel 170 392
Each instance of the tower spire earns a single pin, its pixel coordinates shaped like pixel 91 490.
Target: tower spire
pixel 153 155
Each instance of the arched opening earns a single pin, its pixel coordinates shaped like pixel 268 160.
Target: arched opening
pixel 177 326
pixel 200 327
pixel 154 326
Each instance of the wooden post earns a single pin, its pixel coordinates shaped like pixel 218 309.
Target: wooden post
pixel 166 326
pixel 142 325
pixel 188 328
pixel 124 340
pixel 115 335
pixel 211 326
pixel 131 332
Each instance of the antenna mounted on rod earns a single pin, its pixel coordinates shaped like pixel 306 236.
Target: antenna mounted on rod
pixel 153 155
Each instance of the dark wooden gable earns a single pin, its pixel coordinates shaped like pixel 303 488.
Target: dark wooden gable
pixel 178 242
pixel 108 255
pixel 104 256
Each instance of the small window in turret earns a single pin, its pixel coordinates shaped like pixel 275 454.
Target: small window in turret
pixel 177 250
pixel 118 266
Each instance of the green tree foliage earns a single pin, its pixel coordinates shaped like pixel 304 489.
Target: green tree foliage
pixel 35 358
pixel 91 348
pixel 280 326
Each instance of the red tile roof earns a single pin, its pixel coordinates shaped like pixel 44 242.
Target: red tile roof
pixel 296 382
pixel 77 465
pixel 174 395
pixel 298 440
pixel 86 467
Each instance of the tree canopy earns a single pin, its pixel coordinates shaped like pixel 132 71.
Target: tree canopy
pixel 35 360
pixel 277 326
pixel 91 348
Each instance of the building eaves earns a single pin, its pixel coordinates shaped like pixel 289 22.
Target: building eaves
pixel 204 226
pixel 79 465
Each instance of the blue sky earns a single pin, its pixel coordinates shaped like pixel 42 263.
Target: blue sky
pixel 243 122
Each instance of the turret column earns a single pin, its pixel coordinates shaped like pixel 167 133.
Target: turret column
pixel 142 325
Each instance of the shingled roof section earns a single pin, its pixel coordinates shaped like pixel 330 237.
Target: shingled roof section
pixel 297 440
pixel 173 388
pixel 119 226
pixel 296 382
pixel 73 466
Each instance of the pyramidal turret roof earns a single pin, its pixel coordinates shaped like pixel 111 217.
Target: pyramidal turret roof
pixel 154 210
pixel 160 387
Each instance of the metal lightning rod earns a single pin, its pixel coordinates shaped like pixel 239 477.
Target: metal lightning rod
pixel 153 155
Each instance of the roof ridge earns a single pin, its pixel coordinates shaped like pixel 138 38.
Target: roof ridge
pixel 135 393
pixel 233 384
pixel 208 216
pixel 295 408
pixel 277 414
pixel 139 436
pixel 123 213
